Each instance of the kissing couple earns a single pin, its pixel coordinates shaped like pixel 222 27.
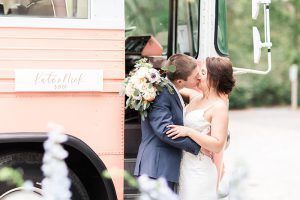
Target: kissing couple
pixel 185 143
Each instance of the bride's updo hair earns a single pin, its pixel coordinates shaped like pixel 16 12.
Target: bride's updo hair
pixel 220 74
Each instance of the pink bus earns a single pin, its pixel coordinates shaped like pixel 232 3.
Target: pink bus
pixel 64 61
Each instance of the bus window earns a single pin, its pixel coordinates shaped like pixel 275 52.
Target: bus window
pixel 45 8
pixel 187 27
pixel 144 17
pixel 221 27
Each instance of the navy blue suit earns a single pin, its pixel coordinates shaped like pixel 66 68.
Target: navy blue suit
pixel 159 155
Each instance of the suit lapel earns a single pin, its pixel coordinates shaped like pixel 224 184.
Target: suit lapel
pixel 177 98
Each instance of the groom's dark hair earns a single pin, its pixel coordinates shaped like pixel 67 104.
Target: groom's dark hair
pixel 184 66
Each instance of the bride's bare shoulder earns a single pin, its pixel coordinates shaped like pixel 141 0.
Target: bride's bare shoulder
pixel 221 106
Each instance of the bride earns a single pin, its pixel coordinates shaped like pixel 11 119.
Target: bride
pixel 205 122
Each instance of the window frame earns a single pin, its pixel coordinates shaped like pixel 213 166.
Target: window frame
pixel 216 43
pixel 98 17
pixel 198 35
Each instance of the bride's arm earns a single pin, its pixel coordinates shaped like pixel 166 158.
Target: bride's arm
pixel 219 126
pixel 218 160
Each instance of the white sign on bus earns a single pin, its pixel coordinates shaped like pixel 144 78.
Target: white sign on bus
pixel 58 80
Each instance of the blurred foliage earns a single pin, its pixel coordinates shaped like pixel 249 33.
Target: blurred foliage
pixel 128 178
pixel 11 176
pixel 274 88
pixel 148 18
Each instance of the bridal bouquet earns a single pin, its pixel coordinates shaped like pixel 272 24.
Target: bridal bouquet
pixel 143 84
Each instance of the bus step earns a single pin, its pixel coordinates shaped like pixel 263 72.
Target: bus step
pixel 129 167
pixel 131 196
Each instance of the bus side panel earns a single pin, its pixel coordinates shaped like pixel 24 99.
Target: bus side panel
pixel 97 118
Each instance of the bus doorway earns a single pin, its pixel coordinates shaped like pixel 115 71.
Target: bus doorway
pixel 160 30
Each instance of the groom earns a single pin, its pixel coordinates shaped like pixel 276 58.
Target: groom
pixel 159 155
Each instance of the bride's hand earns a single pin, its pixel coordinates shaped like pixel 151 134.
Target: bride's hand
pixel 178 131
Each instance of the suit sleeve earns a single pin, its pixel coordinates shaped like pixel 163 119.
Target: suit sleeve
pixel 160 117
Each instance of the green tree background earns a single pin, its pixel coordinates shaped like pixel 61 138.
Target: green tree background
pixel 251 90
pixel 274 88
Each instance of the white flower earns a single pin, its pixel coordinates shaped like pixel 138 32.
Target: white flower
pixel 150 94
pixel 28 185
pixel 138 82
pixel 153 76
pixel 142 72
pixel 129 89
pixel 57 137
pixel 56 185
pixel 144 87
pixel 48 144
pixel 155 189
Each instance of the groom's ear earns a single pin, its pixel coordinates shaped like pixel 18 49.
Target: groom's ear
pixel 178 81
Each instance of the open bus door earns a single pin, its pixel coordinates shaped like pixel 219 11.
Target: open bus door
pixel 194 27
pixel 174 24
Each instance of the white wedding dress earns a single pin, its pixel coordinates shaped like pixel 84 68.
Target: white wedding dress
pixel 198 173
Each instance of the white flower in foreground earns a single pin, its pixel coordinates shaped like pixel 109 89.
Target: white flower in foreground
pixel 57 137
pixel 234 182
pixel 27 185
pixel 155 189
pixel 56 185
